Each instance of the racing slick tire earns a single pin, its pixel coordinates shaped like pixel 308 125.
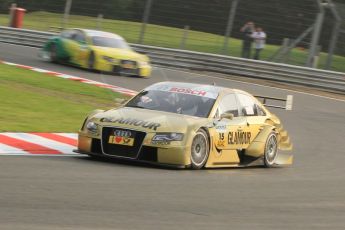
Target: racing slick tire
pixel 91 61
pixel 271 150
pixel 53 53
pixel 199 150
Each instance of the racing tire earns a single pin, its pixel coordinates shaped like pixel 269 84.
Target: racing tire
pixel 53 53
pixel 271 150
pixel 91 61
pixel 199 150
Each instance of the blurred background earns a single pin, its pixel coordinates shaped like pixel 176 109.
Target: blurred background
pixel 297 31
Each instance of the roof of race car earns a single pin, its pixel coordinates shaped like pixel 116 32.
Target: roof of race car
pixel 92 33
pixel 209 91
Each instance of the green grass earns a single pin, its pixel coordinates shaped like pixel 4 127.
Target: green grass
pixel 165 36
pixel 32 101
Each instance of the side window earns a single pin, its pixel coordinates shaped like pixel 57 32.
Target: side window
pixel 261 112
pixel 68 34
pixel 228 104
pixel 248 105
pixel 79 36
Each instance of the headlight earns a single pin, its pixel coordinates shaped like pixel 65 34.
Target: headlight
pixel 109 59
pixel 92 127
pixel 168 137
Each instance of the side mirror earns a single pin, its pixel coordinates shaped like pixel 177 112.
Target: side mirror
pixel 229 116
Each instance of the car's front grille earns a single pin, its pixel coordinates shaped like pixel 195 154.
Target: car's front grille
pixel 129 64
pixel 96 146
pixel 122 142
pixel 148 153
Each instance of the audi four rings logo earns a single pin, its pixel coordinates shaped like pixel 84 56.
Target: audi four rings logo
pixel 122 133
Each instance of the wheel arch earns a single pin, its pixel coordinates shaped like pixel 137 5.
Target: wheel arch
pixel 257 147
pixel 207 133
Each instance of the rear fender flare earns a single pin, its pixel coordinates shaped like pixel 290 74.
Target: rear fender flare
pixel 257 147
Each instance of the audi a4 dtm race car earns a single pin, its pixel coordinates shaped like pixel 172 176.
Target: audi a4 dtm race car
pixel 189 125
pixel 96 50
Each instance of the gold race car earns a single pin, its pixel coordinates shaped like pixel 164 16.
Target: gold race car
pixel 189 125
pixel 96 50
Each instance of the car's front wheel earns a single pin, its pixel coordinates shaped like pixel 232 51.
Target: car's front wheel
pixel 200 149
pixel 271 150
pixel 53 53
pixel 91 61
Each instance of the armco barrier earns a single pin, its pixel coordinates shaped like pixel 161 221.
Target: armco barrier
pixel 320 79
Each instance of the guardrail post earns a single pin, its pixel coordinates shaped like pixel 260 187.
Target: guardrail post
pixel 99 21
pixel 286 51
pixel 11 14
pixel 335 33
pixel 229 25
pixel 316 57
pixel 145 20
pixel 184 37
pixel 68 6
pixel 333 42
pixel 316 35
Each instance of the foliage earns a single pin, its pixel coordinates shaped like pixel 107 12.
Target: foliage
pixel 279 18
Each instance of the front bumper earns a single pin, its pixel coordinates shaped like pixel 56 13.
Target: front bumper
pixel 169 156
pixel 140 70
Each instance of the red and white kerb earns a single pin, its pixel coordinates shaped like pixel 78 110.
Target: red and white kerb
pixel 74 78
pixel 38 143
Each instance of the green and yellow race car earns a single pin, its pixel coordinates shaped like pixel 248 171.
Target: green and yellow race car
pixel 189 125
pixel 96 50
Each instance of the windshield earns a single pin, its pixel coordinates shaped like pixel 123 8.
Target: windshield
pixel 109 42
pixel 173 102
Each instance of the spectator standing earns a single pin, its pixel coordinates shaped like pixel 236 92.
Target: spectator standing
pixel 247 31
pixel 259 37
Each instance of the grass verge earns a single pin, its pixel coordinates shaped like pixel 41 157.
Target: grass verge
pixel 35 102
pixel 166 37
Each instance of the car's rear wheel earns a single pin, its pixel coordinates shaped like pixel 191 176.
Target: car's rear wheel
pixel 271 150
pixel 200 149
pixel 53 53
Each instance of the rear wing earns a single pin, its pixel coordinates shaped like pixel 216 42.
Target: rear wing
pixel 266 101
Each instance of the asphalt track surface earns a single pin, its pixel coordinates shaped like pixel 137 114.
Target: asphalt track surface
pixel 80 193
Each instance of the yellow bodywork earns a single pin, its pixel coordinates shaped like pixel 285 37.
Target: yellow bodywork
pixel 224 151
pixel 143 63
pixel 105 58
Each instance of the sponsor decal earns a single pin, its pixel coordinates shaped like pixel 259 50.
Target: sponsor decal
pixel 237 138
pixel 161 142
pixel 199 91
pixel 133 121
pixel 221 143
pixel 122 133
pixel 121 137
pixel 188 91
pixel 220 127
pixel 221 140
pixel 118 140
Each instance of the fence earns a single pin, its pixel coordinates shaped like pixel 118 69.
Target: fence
pixel 302 76
pixel 203 25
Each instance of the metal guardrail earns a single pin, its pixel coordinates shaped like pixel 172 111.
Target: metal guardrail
pixel 295 75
